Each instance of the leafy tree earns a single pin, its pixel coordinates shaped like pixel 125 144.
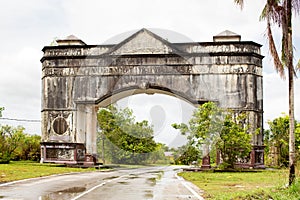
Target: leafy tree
pixel 234 141
pixel 268 148
pixel 28 148
pixel 17 145
pixel 10 139
pixel 278 137
pixel 1 110
pixel 205 123
pixel 186 154
pixel 130 141
pixel 158 156
pixel 297 137
pixel 215 126
pixel 279 12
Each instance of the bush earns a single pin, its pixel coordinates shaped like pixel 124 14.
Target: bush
pixel 17 145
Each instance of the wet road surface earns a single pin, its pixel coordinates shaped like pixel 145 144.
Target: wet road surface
pixel 159 183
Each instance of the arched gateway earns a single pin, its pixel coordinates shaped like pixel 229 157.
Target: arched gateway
pixel 78 79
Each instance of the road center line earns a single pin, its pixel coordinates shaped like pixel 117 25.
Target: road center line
pixel 95 187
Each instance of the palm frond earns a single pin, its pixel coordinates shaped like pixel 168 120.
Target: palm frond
pixel 276 11
pixel 277 63
pixel 284 41
pixel 272 10
pixel 296 6
pixel 264 12
pixel 240 3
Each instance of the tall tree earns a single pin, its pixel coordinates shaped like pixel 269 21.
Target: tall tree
pixel 212 125
pixel 10 139
pixel 279 12
pixel 279 138
pixel 206 122
pixel 132 140
pixel 234 141
pixel 279 128
pixel 28 148
pixel 187 154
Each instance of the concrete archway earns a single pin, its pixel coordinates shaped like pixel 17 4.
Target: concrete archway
pixel 78 78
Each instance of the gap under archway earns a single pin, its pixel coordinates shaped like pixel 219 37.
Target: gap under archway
pixel 161 111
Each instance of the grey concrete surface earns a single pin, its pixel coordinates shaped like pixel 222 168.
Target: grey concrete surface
pixel 160 183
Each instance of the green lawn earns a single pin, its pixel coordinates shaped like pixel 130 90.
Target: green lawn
pixel 24 169
pixel 266 184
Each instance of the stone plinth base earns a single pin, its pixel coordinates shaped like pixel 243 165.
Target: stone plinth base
pixel 89 160
pixel 205 163
pixel 62 152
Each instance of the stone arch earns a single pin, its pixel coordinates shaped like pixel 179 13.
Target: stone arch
pixel 78 77
pixel 86 112
pixel 116 95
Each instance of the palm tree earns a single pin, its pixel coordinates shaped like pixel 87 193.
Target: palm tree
pixel 279 12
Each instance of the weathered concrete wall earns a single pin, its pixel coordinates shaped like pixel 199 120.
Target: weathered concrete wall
pixel 76 79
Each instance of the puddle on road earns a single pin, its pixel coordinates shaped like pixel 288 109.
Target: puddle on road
pixel 110 177
pixel 151 181
pixel 148 194
pixel 123 183
pixel 63 194
pixel 132 176
pixel 73 190
pixel 157 175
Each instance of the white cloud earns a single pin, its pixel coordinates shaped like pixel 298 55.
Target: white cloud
pixel 27 26
pixel 200 20
pixel 276 97
pixel 20 86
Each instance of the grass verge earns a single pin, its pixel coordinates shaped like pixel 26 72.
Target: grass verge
pixel 18 170
pixel 267 184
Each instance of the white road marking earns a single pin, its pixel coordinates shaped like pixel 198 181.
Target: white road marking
pixel 37 178
pixel 95 187
pixel 185 184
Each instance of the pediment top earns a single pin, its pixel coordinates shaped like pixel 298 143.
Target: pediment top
pixel 143 42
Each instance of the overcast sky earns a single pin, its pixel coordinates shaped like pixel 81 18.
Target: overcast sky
pixel 27 26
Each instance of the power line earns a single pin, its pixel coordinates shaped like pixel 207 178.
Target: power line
pixel 20 120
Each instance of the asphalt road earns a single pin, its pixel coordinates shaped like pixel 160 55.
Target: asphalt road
pixel 160 183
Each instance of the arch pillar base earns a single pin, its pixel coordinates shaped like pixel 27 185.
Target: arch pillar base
pixel 205 163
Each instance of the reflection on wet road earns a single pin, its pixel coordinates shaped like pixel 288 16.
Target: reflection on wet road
pixel 68 193
pixel 144 183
